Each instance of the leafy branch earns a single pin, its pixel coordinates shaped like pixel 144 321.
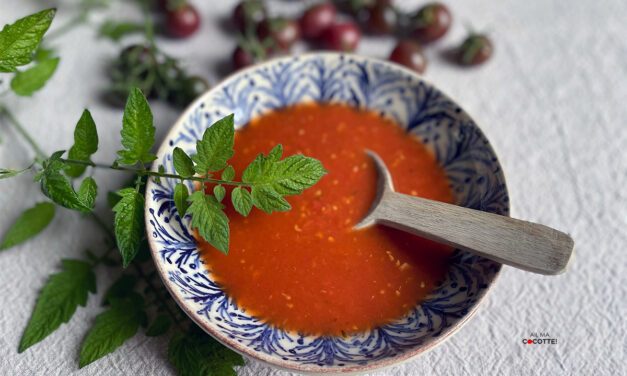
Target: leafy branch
pixel 264 184
pixel 145 172
pixel 18 43
pixel 145 65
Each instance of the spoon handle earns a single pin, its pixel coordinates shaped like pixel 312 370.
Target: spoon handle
pixel 525 245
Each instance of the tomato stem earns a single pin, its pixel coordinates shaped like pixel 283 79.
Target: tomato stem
pixel 145 172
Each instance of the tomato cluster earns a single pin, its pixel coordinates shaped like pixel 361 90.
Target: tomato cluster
pixel 339 25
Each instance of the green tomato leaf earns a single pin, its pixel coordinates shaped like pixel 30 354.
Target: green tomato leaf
pixel 272 179
pixel 242 200
pixel 219 192
pixel 180 198
pixel 229 173
pixel 289 176
pixel 138 131
pixel 27 82
pixel 216 146
pixel 85 144
pixel 183 164
pixel 159 327
pixel 58 300
pixel 57 187
pixel 87 192
pixel 112 328
pixel 20 40
pixel 121 288
pixel 269 200
pixel 129 223
pixel 276 153
pixel 196 353
pixel 29 224
pixel 209 218
pixel 117 30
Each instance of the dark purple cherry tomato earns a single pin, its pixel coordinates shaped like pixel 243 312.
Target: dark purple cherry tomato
pixel 409 54
pixel 182 22
pixel 282 31
pixel 242 58
pixel 248 14
pixel 431 22
pixel 316 19
pixel 342 36
pixel 475 49
pixel 380 19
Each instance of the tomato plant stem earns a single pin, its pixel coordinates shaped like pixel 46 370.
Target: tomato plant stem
pixel 145 172
pixel 22 131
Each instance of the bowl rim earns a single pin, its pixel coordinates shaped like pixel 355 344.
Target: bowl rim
pixel 272 360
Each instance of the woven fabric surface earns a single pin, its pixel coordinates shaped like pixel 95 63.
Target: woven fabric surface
pixel 552 101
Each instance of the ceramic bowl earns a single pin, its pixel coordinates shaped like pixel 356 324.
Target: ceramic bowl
pixel 392 91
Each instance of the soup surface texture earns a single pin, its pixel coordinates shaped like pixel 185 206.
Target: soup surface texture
pixel 307 270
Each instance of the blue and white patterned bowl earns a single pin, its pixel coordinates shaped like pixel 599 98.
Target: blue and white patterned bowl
pixel 459 146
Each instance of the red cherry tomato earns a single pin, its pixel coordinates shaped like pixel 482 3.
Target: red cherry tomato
pixel 409 54
pixel 182 22
pixel 316 19
pixel 380 19
pixel 431 22
pixel 282 31
pixel 343 36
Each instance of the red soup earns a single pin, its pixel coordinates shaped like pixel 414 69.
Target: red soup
pixel 307 270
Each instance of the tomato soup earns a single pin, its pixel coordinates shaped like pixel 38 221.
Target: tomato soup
pixel 307 270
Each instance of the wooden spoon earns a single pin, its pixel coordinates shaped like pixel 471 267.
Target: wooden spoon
pixel 524 245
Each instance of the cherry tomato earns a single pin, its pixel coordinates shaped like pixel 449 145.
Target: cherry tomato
pixel 380 19
pixel 475 49
pixel 130 69
pixel 282 31
pixel 316 19
pixel 242 58
pixel 409 54
pixel 342 36
pixel 248 14
pixel 431 22
pixel 182 22
pixel 167 5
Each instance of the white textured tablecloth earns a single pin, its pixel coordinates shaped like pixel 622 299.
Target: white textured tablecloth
pixel 553 102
